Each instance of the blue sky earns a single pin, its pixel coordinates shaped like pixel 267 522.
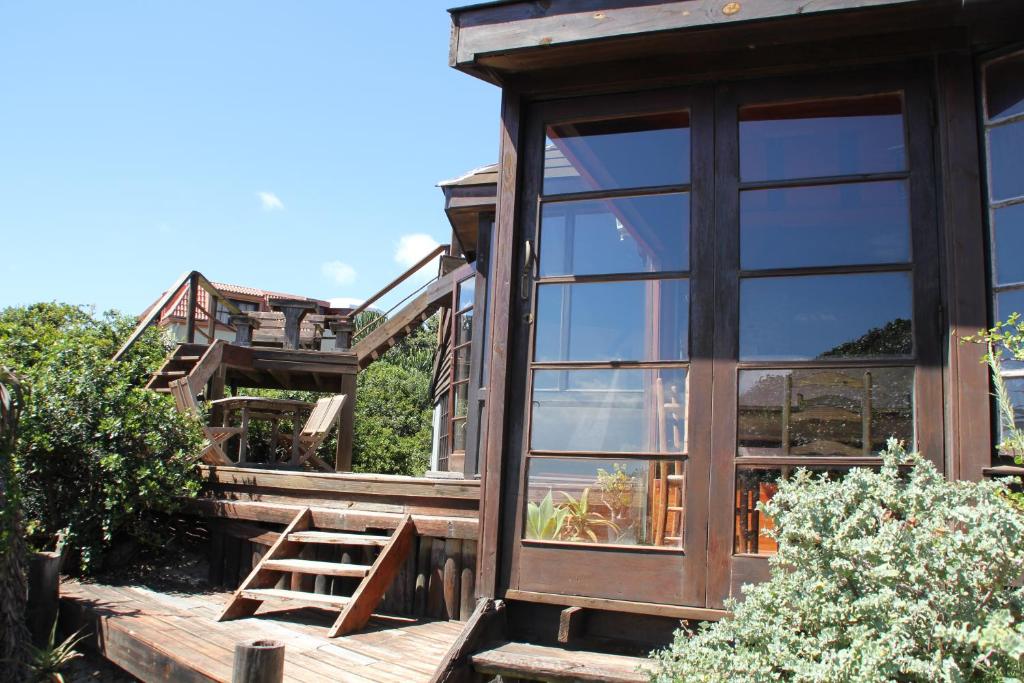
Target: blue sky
pixel 292 146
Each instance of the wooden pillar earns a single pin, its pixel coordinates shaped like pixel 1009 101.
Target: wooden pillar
pixel 343 330
pixel 346 425
pixel 258 661
pixel 243 329
pixel 43 595
pixel 190 312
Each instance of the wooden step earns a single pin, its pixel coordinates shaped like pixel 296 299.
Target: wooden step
pixel 170 373
pixel 271 593
pixel 317 568
pixel 186 359
pixel 333 538
pixel 542 663
pixel 161 390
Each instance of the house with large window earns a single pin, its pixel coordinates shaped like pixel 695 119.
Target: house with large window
pixel 723 240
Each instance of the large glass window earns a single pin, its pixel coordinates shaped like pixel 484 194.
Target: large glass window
pixel 826 325
pixel 606 455
pixel 1004 133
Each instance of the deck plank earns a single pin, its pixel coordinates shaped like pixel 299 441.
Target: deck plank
pixel 156 635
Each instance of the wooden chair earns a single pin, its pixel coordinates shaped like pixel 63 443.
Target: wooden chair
pixel 319 425
pixel 213 450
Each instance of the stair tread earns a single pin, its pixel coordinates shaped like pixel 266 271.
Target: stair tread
pixel 337 538
pixel 264 593
pixel 316 567
pixel 545 663
pixel 170 373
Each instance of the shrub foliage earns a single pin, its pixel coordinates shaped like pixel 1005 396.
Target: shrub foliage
pixel 97 452
pixel 890 575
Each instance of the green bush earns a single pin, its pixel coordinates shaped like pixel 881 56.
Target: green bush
pixel 97 453
pixel 894 575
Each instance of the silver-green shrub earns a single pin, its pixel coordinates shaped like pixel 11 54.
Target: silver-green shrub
pixel 889 575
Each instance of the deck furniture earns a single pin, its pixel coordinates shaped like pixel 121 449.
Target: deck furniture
pixel 321 421
pixel 286 556
pixel 213 452
pixel 260 408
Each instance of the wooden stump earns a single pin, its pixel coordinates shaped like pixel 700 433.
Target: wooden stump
pixel 43 595
pixel 258 661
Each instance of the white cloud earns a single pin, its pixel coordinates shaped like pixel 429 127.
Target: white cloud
pixel 270 201
pixel 411 248
pixel 340 273
pixel 344 302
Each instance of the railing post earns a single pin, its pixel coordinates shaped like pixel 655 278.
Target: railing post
pixel 346 425
pixel 190 313
pixel 258 661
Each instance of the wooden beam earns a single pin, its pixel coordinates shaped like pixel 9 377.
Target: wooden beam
pixel 500 29
pixel 658 610
pixel 346 426
pixel 485 625
pixel 571 624
pixel 190 310
pixel 378 485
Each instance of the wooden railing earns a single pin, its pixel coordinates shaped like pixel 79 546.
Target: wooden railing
pixel 439 250
pixel 193 281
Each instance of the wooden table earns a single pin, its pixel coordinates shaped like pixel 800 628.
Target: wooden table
pixel 259 408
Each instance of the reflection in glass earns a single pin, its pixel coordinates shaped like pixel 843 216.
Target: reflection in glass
pixel 639 320
pixel 1006 157
pixel 1008 302
pixel 462 363
pixel 464 327
pixel 461 399
pixel 597 500
pixel 825 316
pixel 814 411
pixel 1015 387
pixel 821 139
pixel 613 411
pixel 1008 223
pixel 757 485
pixel 466 292
pixel 1004 87
pixel 642 151
pixel 856 223
pixel 459 434
pixel 631 235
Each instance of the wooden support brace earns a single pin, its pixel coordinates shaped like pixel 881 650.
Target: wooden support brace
pixel 571 624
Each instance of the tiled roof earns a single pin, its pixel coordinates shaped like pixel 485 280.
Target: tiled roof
pixel 178 306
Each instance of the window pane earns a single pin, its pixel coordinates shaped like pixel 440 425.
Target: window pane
pixel 640 234
pixel 614 411
pixel 461 399
pixel 824 411
pixel 1006 155
pixel 619 153
pixel 464 327
pixel 1004 87
pixel 466 291
pixel 597 500
pixel 1007 302
pixel 825 316
pixel 757 485
pixel 459 434
pixel 860 223
pixel 820 139
pixel 644 320
pixel 462 363
pixel 1015 387
pixel 1009 229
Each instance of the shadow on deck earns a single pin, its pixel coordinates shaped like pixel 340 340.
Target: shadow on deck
pixel 159 635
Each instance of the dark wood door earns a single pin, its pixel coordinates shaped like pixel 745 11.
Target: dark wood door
pixel 715 286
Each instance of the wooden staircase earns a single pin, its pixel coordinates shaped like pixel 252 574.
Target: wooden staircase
pixel 177 365
pixel 283 560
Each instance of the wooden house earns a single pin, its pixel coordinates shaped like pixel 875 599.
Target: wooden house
pixel 723 240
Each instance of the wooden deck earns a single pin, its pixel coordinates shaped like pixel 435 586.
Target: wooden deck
pixel 158 636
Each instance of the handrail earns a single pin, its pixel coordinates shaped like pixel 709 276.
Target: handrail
pixel 192 280
pixel 440 249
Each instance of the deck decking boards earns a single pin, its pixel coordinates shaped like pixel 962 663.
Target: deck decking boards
pixel 174 636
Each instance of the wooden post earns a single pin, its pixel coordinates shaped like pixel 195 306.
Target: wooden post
pixel 243 329
pixel 258 661
pixel 343 330
pixel 43 595
pixel 346 425
pixel 294 311
pixel 190 312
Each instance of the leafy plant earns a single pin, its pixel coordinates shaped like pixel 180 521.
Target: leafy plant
pixel 544 520
pixel 890 575
pixel 48 661
pixel 97 453
pixel 580 521
pixel 617 488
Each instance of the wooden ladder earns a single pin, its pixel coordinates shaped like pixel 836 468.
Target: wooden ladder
pixel 283 559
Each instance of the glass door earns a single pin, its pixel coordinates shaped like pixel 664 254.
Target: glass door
pixel 613 456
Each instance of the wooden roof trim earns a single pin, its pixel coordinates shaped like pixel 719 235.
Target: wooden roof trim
pixel 480 31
